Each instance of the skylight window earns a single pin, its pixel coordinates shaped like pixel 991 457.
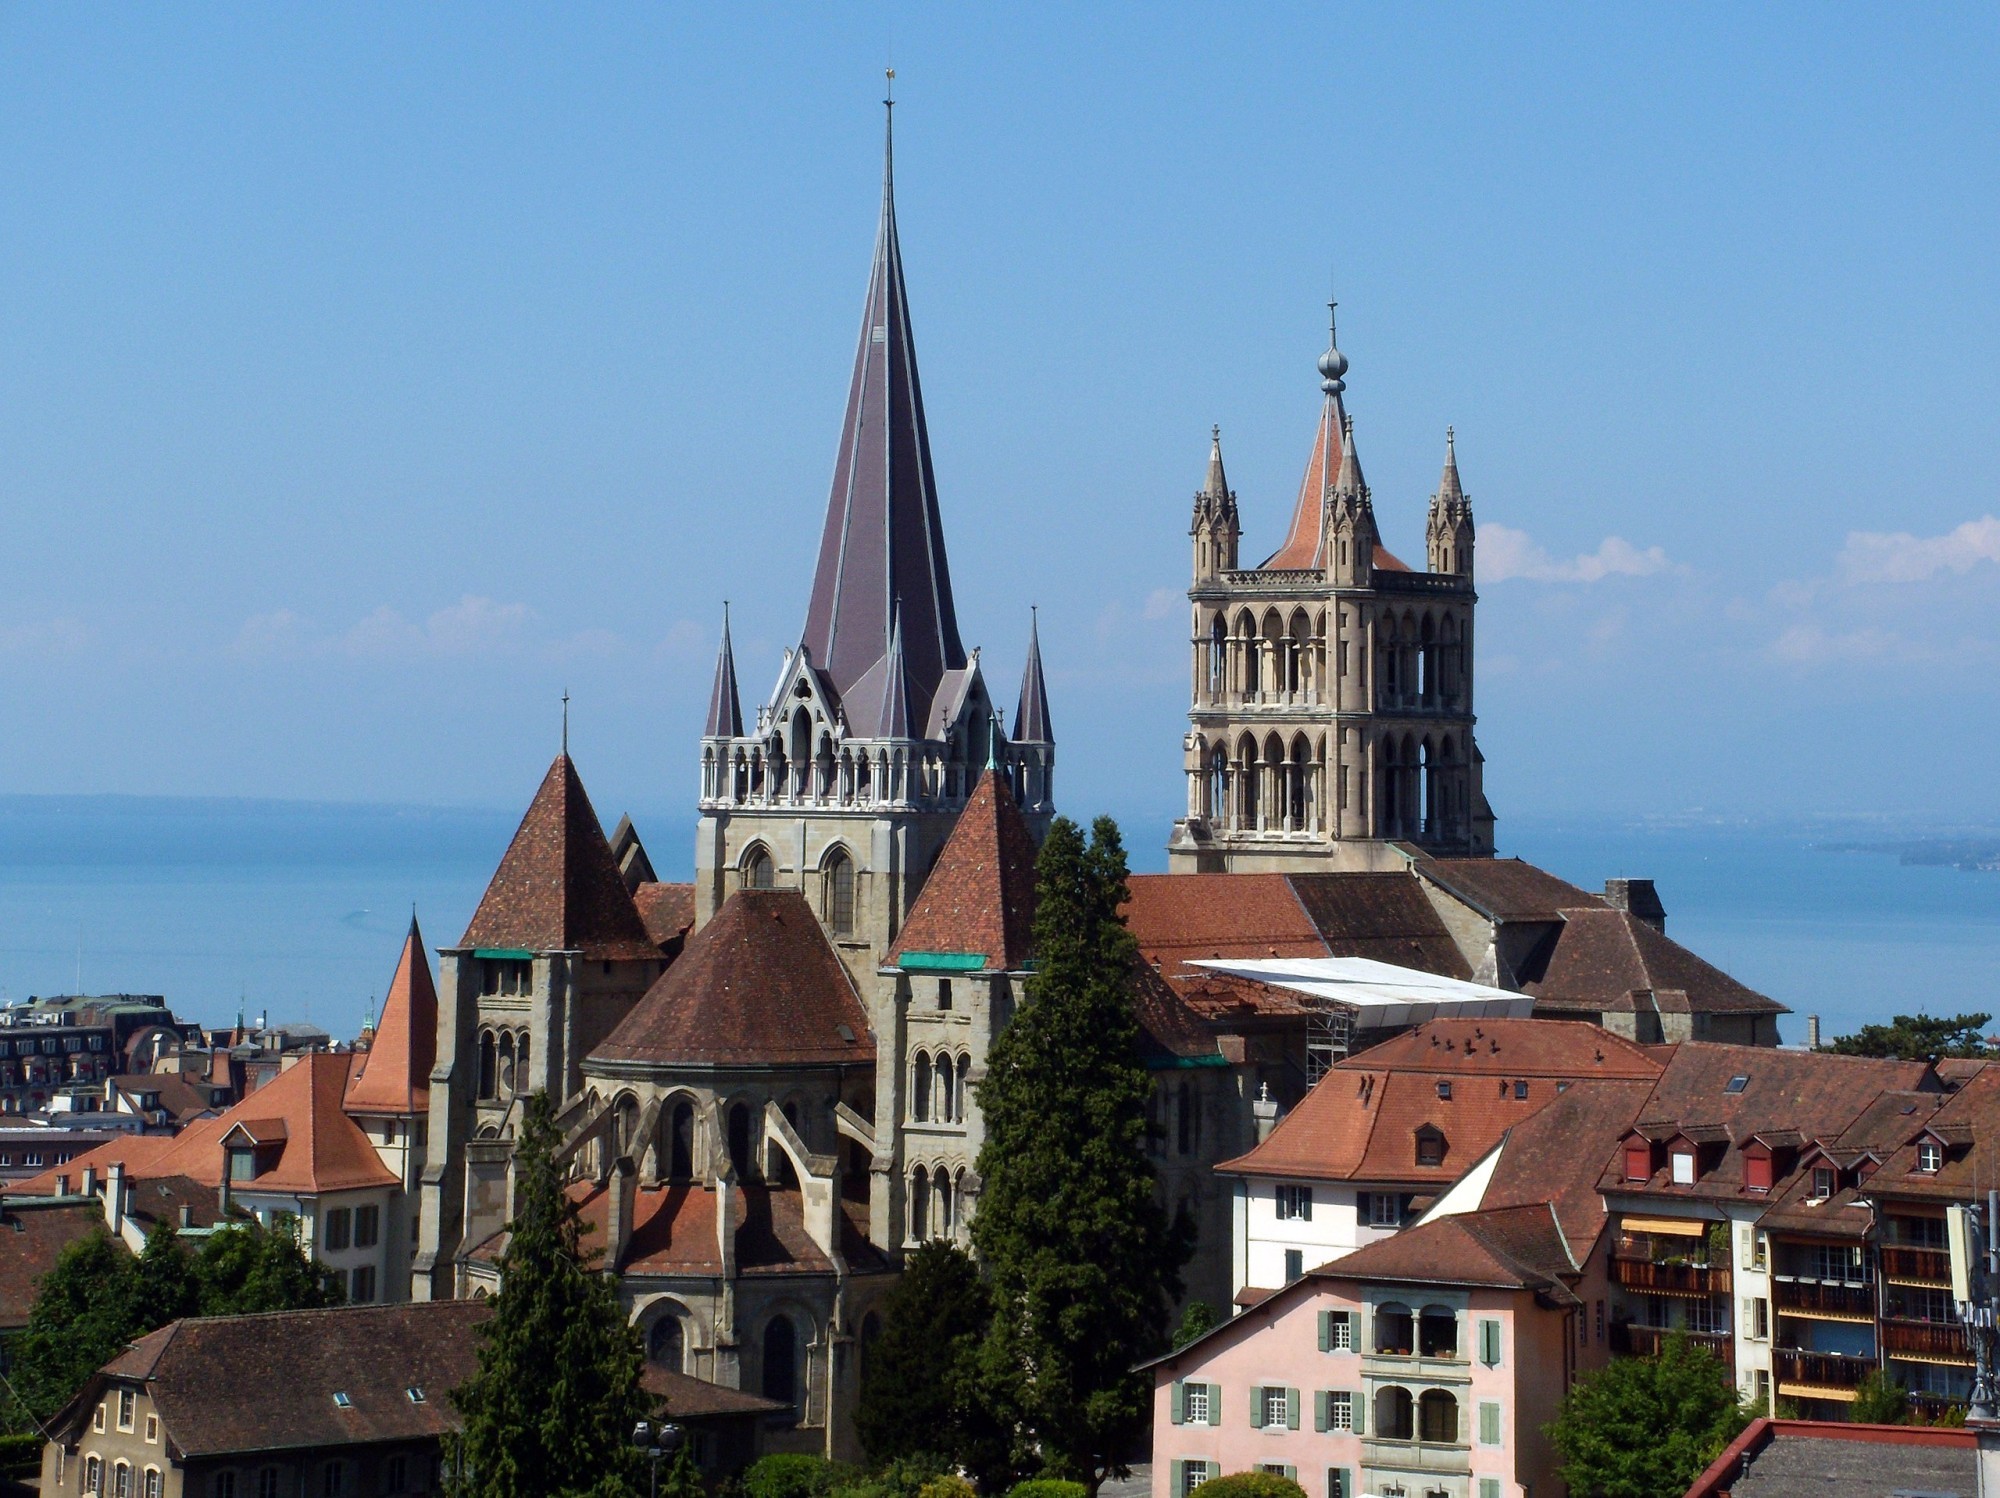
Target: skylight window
pixel 1737 1083
pixel 1444 1091
pixel 342 1402
pixel 416 1394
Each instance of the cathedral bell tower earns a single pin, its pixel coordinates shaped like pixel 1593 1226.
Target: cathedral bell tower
pixel 1331 722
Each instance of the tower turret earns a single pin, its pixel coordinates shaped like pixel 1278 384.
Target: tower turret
pixel 1351 536
pixel 1449 535
pixel 1215 529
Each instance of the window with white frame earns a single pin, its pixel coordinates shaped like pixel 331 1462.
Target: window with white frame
pixel 1823 1180
pixel 1194 1403
pixel 1383 1209
pixel 1930 1156
pixel 1193 1475
pixel 1340 1409
pixel 151 1487
pixel 1277 1407
pixel 128 1404
pixel 1295 1203
pixel 153 1430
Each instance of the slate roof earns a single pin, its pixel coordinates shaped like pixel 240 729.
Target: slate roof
pixel 1031 709
pixel 557 888
pixel 319 1148
pixel 1360 1121
pixel 267 1382
pixel 32 1235
pixel 980 896
pixel 881 553
pixel 394 1074
pixel 1605 960
pixel 1815 1093
pixel 1512 1248
pixel 759 985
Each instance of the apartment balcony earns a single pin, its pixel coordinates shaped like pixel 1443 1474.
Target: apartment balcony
pixel 1924 1266
pixel 1427 1368
pixel 1925 1339
pixel 1933 1408
pixel 1820 1370
pixel 1837 1300
pixel 1646 1341
pixel 1448 1458
pixel 1671 1279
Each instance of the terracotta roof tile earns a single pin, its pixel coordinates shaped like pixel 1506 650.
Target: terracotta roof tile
pixel 759 985
pixel 1182 918
pixel 1555 1156
pixel 557 888
pixel 1602 956
pixel 1516 1248
pixel 1509 889
pixel 32 1235
pixel 267 1382
pixel 980 896
pixel 667 910
pixel 1968 1117
pixel 394 1074
pixel 685 1397
pixel 1383 916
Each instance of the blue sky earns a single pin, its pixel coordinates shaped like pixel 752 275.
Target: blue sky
pixel 370 375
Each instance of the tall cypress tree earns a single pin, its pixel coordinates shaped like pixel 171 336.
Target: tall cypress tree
pixel 551 1410
pixel 1082 1261
pixel 919 1384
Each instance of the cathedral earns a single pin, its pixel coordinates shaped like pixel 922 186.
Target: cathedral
pixel 1332 684
pixel 766 1079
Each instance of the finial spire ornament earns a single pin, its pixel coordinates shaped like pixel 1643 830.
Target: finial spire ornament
pixel 1332 363
pixel 565 748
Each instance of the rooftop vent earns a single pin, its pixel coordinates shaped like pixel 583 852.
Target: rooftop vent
pixel 845 1032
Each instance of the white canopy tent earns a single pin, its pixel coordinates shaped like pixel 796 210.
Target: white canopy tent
pixel 1380 994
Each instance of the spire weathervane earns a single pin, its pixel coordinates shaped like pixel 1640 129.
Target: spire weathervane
pixel 565 749
pixel 1332 363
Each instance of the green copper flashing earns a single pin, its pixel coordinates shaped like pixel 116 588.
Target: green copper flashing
pixel 941 962
pixel 503 954
pixel 1187 1063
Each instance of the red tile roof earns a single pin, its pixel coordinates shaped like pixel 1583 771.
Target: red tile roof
pixel 1513 1248
pixel 557 888
pixel 32 1235
pixel 1509 889
pixel 1360 1121
pixel 230 1384
pixel 394 1074
pixel 667 910
pixel 980 896
pixel 1605 961
pixel 319 1148
pixel 682 1396
pixel 1556 1154
pixel 759 985
pixel 1181 918
pixel 1970 1115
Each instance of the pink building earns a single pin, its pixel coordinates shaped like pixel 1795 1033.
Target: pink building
pixel 1421 1366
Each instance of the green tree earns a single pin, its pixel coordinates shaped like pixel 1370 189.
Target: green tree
pixel 550 1412
pixel 919 1385
pixel 81 1318
pixel 1197 1321
pixel 166 1282
pixel 1879 1400
pixel 1082 1262
pixel 1646 1427
pixel 1919 1037
pixel 248 1267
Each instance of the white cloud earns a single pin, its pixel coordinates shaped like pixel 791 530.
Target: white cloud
pixel 1160 603
pixel 1899 557
pixel 1505 554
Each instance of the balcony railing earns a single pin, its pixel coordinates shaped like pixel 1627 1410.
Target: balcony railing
pixel 1929 1265
pixel 1934 1407
pixel 1685 1279
pixel 1645 1341
pixel 1825 1298
pixel 1825 1370
pixel 1420 1456
pixel 1925 1339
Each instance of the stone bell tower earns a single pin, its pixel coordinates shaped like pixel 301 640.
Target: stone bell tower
pixel 1331 720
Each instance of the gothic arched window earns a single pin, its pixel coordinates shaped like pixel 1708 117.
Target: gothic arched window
pixel 920 1204
pixel 920 1088
pixel 840 893
pixel 759 872
pixel 781 1360
pixel 739 1140
pixel 680 1146
pixel 666 1345
pixel 488 1065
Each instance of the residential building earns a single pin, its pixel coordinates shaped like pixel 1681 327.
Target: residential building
pixel 1782 1458
pixel 34 1231
pixel 1429 1362
pixel 1386 1133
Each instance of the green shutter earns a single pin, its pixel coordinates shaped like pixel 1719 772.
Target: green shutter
pixel 1291 1409
pixel 1320 1416
pixel 1489 1423
pixel 1177 1475
pixel 1178 1405
pixel 1489 1487
pixel 1339 1485
pixel 1489 1343
pixel 1215 1404
pixel 1256 1407
pixel 1293 1473
pixel 1359 1406
pixel 1326 1331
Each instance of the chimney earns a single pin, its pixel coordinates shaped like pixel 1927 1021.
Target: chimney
pixel 618 1226
pixel 62 1185
pixel 1812 1032
pixel 1265 1111
pixel 114 1196
pixel 90 1180
pixel 1638 899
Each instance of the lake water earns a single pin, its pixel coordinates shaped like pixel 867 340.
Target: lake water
pixel 299 909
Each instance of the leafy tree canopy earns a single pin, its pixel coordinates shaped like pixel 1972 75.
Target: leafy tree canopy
pixel 551 1411
pixel 1197 1321
pixel 1646 1427
pixel 1920 1037
pixel 919 1385
pixel 1082 1262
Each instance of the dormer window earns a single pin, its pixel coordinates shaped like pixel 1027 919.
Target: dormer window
pixel 242 1164
pixel 1683 1160
pixel 1638 1159
pixel 1757 1168
pixel 1430 1146
pixel 1824 1180
pixel 1930 1156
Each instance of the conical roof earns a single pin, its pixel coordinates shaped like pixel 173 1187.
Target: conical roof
pixel 883 541
pixel 759 985
pixel 1302 546
pixel 1031 714
pixel 725 709
pixel 1449 489
pixel 1216 485
pixel 557 888
pixel 394 1074
pixel 980 896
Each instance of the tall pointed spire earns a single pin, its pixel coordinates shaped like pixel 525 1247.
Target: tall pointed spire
pixel 1303 542
pixel 1216 486
pixel 894 720
pixel 725 709
pixel 1449 489
pixel 1350 480
pixel 1031 716
pixel 394 1075
pixel 883 541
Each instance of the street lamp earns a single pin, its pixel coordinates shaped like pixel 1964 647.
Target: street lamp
pixel 654 1442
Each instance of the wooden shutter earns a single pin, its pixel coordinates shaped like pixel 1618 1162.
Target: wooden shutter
pixel 1489 1423
pixel 1291 1409
pixel 1359 1407
pixel 1215 1404
pixel 1326 1331
pixel 1338 1483
pixel 1321 1419
pixel 1256 1406
pixel 1177 1475
pixel 1177 1404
